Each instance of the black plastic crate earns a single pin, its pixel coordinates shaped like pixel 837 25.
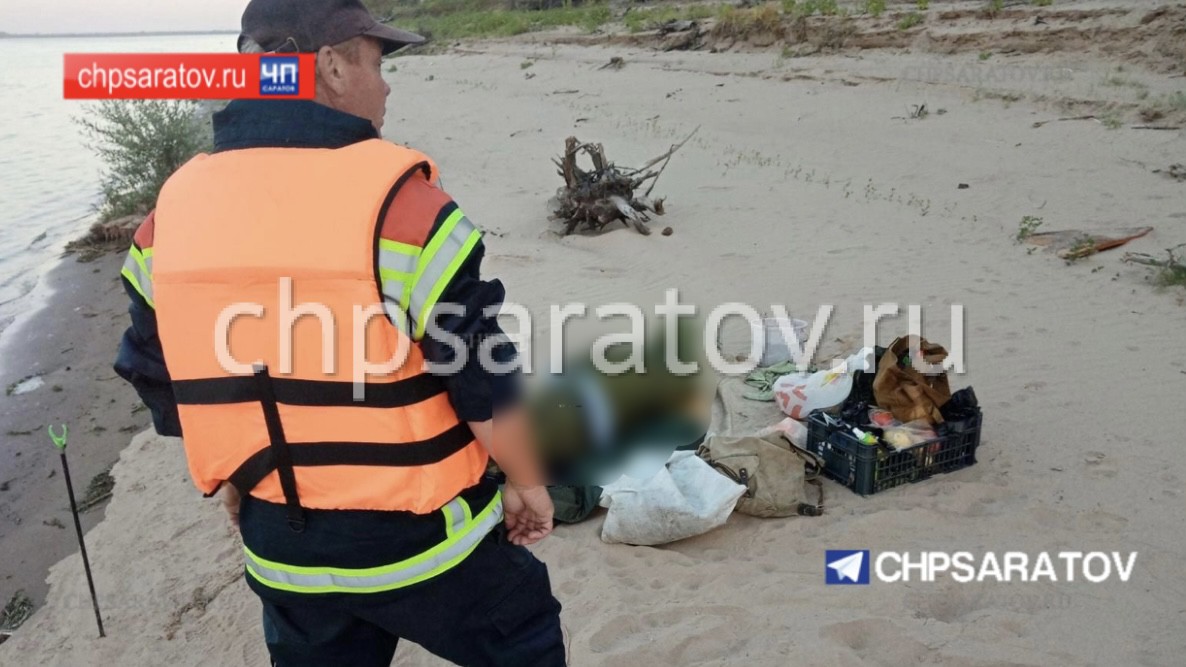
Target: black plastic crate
pixel 868 469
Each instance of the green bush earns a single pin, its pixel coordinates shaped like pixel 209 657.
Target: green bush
pixel 455 19
pixel 806 8
pixel 141 143
pixel 506 23
pixel 909 21
pixel 639 19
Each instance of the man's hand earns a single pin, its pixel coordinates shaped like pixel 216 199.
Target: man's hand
pixel 528 511
pixel 230 501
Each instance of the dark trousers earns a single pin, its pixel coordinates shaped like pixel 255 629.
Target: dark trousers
pixel 495 608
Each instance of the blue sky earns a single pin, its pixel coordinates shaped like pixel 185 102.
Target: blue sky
pixel 25 16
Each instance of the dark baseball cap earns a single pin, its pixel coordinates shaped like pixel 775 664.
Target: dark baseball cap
pixel 307 25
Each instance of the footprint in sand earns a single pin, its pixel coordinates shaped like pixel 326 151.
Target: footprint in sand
pixel 880 642
pixel 946 603
pixel 709 633
pixel 1100 464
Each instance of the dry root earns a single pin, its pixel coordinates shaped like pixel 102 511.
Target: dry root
pixel 105 237
pixel 590 200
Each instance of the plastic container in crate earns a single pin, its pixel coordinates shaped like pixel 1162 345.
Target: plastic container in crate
pixel 868 469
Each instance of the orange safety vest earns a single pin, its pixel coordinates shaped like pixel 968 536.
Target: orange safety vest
pixel 232 230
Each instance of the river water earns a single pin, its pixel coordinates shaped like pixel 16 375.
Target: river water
pixel 49 179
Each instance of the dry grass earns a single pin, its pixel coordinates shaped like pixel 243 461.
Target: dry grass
pixel 16 612
pixel 741 24
pixel 104 237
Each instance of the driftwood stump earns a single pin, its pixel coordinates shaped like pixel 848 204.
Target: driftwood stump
pixel 590 200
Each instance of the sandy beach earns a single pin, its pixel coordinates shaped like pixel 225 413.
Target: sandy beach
pixel 811 180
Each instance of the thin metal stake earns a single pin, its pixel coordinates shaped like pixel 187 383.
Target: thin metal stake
pixel 60 443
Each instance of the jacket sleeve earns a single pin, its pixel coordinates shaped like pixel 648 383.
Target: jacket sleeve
pixel 140 359
pixel 475 391
pixel 430 258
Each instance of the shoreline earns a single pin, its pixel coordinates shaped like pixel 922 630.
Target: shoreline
pixel 70 343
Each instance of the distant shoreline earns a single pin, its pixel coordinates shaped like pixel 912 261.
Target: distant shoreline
pixel 39 35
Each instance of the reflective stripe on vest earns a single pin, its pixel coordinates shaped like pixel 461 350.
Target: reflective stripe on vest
pixel 413 279
pixel 397 266
pixel 138 270
pixel 438 263
pixel 464 533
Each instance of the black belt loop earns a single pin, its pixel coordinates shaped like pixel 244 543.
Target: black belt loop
pixel 279 445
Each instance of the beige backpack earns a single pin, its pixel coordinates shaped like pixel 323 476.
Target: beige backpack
pixel 780 478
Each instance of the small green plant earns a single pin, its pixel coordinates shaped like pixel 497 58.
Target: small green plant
pixel 1084 246
pixel 1026 228
pixel 922 5
pixel 392 68
pixel 1168 272
pixel 1112 121
pixel 985 55
pixel 874 7
pixel 801 8
pixel 909 21
pixel 994 7
pixel 141 143
pixel 1117 81
pixel 449 19
pixel 805 8
pixel 525 64
pixel 1043 3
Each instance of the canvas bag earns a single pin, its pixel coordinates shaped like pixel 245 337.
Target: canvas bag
pixel 780 478
pixel 905 391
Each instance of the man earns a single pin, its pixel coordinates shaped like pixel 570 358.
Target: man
pixel 365 518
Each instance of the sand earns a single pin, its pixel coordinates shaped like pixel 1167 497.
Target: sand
pixel 70 344
pixel 803 186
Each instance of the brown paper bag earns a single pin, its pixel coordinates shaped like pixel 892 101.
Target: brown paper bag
pixel 906 392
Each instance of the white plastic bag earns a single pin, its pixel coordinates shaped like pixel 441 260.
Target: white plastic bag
pixel 794 429
pixel 798 394
pixel 685 498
